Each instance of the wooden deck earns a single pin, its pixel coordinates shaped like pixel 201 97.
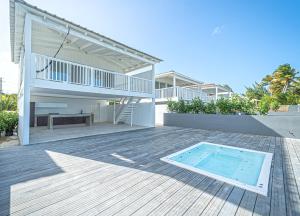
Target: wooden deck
pixel 121 174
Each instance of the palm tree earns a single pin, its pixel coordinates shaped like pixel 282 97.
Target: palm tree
pixel 281 79
pixel 8 102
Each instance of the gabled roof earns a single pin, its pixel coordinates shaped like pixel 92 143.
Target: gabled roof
pixel 213 85
pixel 43 13
pixel 178 75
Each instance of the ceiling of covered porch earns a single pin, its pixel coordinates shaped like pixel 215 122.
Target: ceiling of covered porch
pixel 47 41
pixel 78 44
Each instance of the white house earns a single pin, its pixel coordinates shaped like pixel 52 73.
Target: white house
pixel 175 86
pixel 70 74
pixel 215 91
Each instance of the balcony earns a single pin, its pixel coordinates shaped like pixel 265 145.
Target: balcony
pixel 70 73
pixel 180 93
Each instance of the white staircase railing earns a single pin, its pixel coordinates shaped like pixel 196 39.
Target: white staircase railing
pixel 125 111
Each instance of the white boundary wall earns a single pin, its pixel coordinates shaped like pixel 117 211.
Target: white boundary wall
pixel 160 109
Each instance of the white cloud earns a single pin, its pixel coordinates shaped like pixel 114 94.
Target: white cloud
pixel 9 73
pixel 217 30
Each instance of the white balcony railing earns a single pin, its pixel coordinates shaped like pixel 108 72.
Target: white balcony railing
pixel 180 93
pixel 53 69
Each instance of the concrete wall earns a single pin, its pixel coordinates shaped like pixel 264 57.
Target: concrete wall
pixel 274 125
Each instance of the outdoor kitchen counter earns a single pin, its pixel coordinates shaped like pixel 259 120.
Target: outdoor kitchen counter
pixel 88 117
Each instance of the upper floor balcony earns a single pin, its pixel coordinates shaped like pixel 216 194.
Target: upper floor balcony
pixel 175 86
pixel 64 75
pixel 180 93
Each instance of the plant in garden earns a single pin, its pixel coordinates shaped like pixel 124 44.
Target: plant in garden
pixel 274 105
pixel 8 102
pixel 210 108
pixel 182 106
pixel 2 123
pixel 172 106
pixel 264 105
pixel 10 121
pixel 197 105
pixel 225 106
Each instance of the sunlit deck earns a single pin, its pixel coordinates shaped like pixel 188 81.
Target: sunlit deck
pixel 121 174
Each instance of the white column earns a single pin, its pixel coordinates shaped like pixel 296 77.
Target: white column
pixel 174 86
pixel 217 93
pixel 153 98
pixel 114 111
pixel 25 112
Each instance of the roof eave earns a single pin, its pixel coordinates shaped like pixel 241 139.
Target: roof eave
pixel 50 15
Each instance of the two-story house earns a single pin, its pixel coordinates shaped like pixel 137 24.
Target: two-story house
pixel 174 86
pixel 72 75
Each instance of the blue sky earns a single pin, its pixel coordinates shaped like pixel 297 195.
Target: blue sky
pixel 227 41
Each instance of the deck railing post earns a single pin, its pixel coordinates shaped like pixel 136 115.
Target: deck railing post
pixel 114 111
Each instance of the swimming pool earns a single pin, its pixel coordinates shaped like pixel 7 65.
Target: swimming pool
pixel 241 167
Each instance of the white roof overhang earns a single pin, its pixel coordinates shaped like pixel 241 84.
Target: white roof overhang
pixel 180 78
pixel 122 57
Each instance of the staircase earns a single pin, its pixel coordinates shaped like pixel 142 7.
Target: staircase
pixel 126 109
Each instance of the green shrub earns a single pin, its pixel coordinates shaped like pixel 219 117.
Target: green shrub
pixel 8 102
pixel 181 106
pixel 2 123
pixel 9 121
pixel 197 106
pixel 264 105
pixel 274 105
pixel 225 106
pixel 172 106
pixel 210 108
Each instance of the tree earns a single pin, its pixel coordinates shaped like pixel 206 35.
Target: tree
pixel 227 87
pixel 281 79
pixel 257 91
pixel 8 102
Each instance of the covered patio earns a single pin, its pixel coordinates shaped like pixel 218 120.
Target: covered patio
pixel 63 132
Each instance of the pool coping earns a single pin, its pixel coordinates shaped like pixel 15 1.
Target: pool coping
pixel 263 179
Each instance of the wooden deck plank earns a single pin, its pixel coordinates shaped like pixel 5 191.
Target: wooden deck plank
pixel 278 205
pixel 122 174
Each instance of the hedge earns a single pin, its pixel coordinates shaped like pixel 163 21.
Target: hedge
pixel 8 122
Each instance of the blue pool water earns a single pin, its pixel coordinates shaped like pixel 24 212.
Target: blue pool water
pixel 243 166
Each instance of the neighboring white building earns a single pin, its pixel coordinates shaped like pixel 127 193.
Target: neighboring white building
pixel 215 91
pixel 174 86
pixel 68 70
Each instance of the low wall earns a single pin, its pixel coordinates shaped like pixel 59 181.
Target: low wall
pixel 275 125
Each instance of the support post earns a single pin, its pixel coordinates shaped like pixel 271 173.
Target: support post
pixel 174 86
pixel 114 111
pixel 24 95
pixel 131 115
pixel 217 93
pixel 153 98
